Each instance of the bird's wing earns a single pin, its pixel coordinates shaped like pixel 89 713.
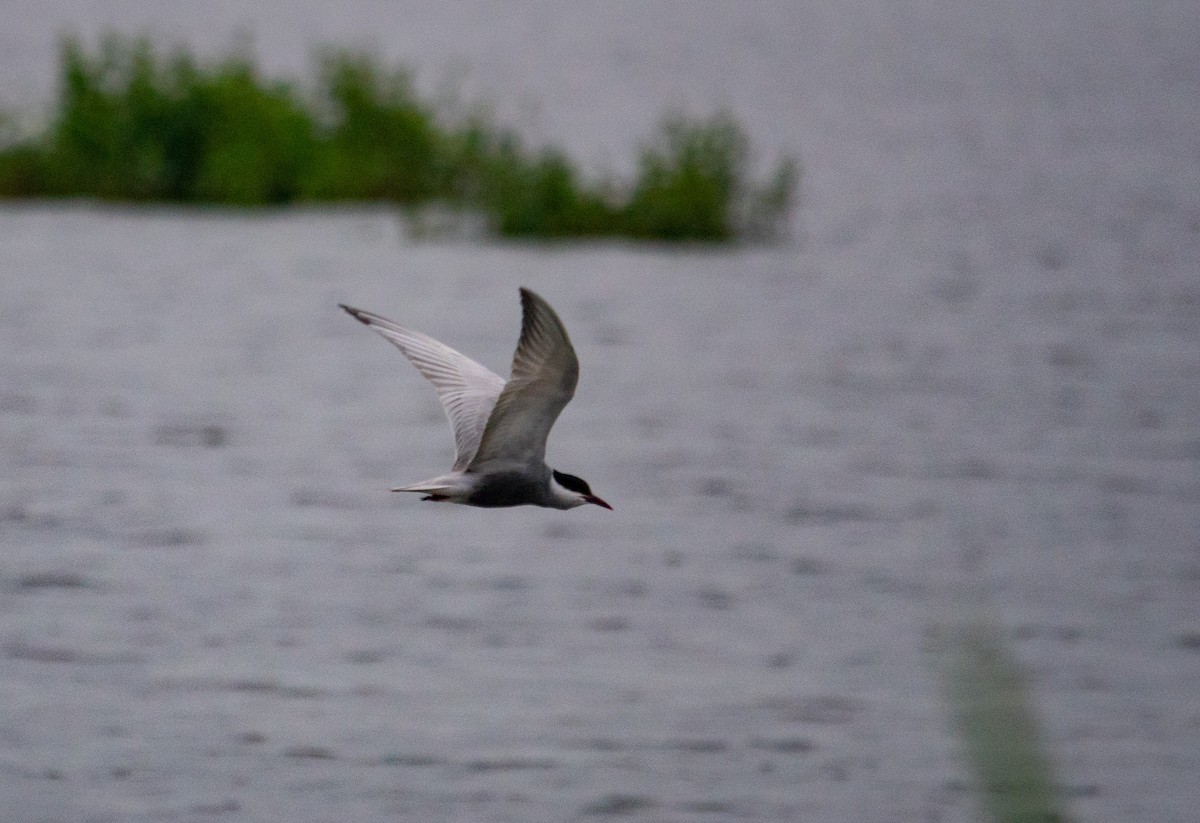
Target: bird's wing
pixel 468 391
pixel 544 373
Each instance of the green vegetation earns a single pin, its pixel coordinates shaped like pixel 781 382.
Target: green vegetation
pixel 993 713
pixel 133 124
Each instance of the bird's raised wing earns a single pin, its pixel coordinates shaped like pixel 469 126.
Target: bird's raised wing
pixel 544 373
pixel 468 391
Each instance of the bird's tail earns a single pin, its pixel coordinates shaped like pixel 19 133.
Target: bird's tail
pixel 439 488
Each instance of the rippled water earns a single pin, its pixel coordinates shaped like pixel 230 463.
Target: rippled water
pixel 211 604
pixel 973 379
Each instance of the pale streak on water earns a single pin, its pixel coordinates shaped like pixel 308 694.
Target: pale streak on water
pixel 977 373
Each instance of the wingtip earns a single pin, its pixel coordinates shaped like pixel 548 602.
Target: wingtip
pixel 533 303
pixel 357 314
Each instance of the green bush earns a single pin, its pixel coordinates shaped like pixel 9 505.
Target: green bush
pixel 23 172
pixel 134 124
pixel 379 142
pixel 692 185
pixel 543 197
pixel 688 182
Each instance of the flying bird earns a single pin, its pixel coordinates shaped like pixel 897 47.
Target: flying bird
pixel 500 428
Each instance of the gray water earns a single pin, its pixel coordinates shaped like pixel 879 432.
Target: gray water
pixel 972 376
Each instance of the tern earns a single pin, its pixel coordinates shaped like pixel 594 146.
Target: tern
pixel 500 428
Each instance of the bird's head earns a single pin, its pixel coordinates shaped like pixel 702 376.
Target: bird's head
pixel 573 491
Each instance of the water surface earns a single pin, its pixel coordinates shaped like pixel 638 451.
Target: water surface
pixel 974 373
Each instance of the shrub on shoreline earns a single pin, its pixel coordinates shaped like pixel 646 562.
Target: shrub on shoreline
pixel 132 124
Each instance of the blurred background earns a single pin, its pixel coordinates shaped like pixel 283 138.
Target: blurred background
pixel 889 327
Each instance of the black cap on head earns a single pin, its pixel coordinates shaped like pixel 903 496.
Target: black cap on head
pixel 570 481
